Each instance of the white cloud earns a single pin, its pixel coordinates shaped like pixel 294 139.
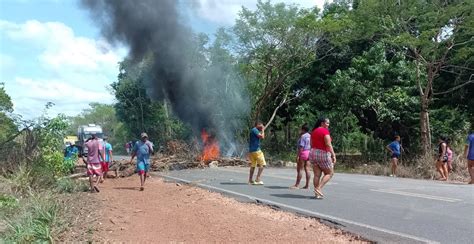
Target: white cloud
pixel 61 48
pixel 68 98
pixel 68 70
pixel 224 12
pixel 7 64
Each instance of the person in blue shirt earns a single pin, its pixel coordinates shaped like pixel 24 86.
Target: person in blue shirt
pixel 469 154
pixel 142 149
pixel 395 149
pixel 256 156
pixel 108 157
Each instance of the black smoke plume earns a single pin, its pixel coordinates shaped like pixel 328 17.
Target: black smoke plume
pixel 155 27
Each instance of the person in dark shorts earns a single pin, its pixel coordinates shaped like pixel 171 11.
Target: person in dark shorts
pixel 395 148
pixel 442 159
pixel 322 156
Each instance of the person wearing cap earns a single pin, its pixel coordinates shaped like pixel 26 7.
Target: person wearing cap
pixel 108 157
pixel 142 149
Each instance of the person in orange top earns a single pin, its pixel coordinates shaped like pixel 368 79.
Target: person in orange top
pixel 323 157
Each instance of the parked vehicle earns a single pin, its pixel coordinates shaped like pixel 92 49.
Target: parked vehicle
pixel 84 132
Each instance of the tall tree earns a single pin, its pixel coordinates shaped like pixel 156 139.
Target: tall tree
pixel 275 42
pixel 433 33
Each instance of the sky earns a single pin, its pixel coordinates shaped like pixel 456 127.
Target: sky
pixel 51 51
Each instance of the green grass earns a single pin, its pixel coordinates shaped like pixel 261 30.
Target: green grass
pixel 34 220
pixel 66 185
pixel 34 214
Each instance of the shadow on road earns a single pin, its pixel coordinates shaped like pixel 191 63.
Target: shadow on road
pixel 277 187
pixel 127 188
pixel 233 183
pixel 292 196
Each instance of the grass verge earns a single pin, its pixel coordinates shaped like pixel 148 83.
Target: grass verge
pixel 30 214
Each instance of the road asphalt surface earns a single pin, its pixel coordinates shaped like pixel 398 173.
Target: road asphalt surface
pixel 382 209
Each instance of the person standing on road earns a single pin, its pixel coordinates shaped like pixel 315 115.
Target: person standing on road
pixel 108 157
pixel 449 153
pixel 395 149
pixel 322 156
pixel 256 156
pixel 442 159
pixel 469 154
pixel 94 168
pixel 142 149
pixel 302 157
pixel 127 147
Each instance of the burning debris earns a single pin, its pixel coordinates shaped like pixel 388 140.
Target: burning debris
pixel 178 155
pixel 210 150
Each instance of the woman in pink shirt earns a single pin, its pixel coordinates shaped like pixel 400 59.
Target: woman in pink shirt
pixel 323 157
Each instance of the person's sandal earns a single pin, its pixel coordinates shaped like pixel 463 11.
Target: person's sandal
pixel 96 189
pixel 142 188
pixel 294 187
pixel 318 194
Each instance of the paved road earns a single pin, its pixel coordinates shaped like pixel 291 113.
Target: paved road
pixel 380 208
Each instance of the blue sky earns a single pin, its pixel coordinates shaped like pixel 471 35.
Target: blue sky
pixel 50 51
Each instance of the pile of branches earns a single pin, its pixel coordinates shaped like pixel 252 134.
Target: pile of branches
pixel 178 155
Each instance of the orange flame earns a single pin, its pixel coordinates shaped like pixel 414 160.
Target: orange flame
pixel 211 147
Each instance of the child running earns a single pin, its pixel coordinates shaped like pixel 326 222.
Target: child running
pixel 395 149
pixel 142 150
pixel 302 157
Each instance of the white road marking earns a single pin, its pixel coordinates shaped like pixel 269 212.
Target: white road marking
pixel 411 194
pixel 307 212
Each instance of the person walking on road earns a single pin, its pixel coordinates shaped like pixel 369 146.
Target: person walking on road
pixel 469 154
pixel 108 157
pixel 442 159
pixel 256 156
pixel 322 156
pixel 142 149
pixel 302 157
pixel 94 168
pixel 395 149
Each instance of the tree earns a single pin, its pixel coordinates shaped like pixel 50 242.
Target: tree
pixel 433 34
pixel 275 42
pixel 138 112
pixel 7 125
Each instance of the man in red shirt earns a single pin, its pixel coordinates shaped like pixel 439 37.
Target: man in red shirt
pixel 322 156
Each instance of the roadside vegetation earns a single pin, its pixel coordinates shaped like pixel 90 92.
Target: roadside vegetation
pixel 35 199
pixel 376 69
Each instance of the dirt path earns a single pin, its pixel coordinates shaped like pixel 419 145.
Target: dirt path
pixel 174 213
